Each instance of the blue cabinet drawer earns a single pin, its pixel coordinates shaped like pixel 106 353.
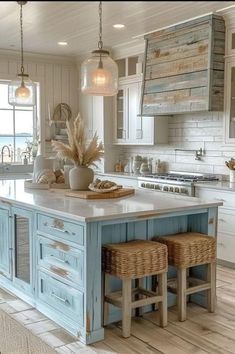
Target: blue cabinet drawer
pixel 61 259
pixel 61 297
pixel 58 227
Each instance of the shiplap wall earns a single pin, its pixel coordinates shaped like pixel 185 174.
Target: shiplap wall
pixel 58 81
pixel 191 131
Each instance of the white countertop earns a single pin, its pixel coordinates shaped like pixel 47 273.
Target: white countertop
pixel 142 203
pixel 227 186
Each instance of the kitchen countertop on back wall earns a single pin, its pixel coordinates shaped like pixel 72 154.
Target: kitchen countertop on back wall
pixel 224 185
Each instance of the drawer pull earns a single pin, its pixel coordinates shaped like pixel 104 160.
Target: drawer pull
pixel 55 228
pixel 60 260
pixel 65 301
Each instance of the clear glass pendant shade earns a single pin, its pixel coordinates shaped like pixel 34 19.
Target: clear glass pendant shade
pixel 22 92
pixel 99 74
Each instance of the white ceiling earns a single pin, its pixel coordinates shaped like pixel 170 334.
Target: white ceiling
pixel 46 23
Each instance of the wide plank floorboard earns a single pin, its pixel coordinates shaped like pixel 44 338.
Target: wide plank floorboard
pixel 202 333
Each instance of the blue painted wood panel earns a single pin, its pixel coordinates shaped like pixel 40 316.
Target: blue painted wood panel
pixel 5 267
pixel 63 298
pixel 62 228
pixel 62 259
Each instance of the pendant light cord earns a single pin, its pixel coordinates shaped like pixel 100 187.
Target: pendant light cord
pixel 21 39
pixel 100 43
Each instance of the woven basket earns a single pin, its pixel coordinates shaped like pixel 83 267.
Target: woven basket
pixel 189 249
pixel 134 259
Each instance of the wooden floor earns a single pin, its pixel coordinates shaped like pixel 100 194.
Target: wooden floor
pixel 201 333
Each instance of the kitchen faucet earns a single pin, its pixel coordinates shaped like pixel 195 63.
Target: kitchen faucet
pixel 2 152
pixel 198 153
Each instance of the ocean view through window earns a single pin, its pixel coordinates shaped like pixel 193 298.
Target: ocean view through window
pixel 18 129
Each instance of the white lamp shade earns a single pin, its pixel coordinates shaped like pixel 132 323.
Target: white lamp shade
pixel 22 95
pixel 99 75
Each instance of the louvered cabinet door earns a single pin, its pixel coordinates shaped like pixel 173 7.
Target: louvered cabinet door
pixel 22 226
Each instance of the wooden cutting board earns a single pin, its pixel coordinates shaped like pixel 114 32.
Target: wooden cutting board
pixel 94 195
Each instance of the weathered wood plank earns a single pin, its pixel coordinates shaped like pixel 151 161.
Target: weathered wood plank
pixel 168 108
pixel 177 28
pixel 188 58
pixel 199 34
pixel 218 24
pixel 216 20
pixel 184 81
pixel 197 63
pixel 158 55
pixel 176 96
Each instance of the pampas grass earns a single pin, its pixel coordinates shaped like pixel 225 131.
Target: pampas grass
pixel 77 149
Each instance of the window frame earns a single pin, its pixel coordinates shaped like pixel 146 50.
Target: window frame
pixel 35 112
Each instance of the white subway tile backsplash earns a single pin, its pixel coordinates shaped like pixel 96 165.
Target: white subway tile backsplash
pixel 209 124
pixel 192 131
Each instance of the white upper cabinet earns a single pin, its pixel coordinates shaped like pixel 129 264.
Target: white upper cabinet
pixel 129 127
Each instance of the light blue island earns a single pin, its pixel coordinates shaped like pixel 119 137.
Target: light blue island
pixel 50 246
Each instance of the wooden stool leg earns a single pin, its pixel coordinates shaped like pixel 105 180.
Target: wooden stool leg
pixel 211 294
pixel 162 291
pixel 139 283
pixel 106 304
pixel 181 293
pixel 126 308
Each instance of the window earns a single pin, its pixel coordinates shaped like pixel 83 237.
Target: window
pixel 18 129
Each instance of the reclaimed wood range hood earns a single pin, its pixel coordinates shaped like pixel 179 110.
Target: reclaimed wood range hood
pixel 184 68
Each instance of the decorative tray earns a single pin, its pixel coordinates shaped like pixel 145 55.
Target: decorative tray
pixel 30 184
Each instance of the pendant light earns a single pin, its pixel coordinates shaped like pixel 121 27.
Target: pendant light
pixel 21 91
pixel 99 73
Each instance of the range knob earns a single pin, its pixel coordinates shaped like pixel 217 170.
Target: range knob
pixel 157 186
pixel 184 191
pixel 177 190
pixel 148 185
pixel 152 186
pixel 142 185
pixel 171 189
pixel 165 188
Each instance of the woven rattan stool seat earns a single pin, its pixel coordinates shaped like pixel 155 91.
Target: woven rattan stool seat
pixel 189 249
pixel 134 259
pixel 186 250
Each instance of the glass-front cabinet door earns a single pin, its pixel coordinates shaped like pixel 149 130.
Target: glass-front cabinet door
pixel 22 249
pixel 121 132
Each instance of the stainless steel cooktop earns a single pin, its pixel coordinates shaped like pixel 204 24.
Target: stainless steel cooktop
pixel 174 176
pixel 174 182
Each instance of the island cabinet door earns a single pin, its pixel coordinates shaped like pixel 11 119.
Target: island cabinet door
pixel 22 226
pixel 5 247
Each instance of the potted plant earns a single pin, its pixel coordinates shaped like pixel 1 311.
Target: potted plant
pixel 80 153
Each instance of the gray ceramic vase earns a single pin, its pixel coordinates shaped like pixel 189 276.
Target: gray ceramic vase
pixel 80 177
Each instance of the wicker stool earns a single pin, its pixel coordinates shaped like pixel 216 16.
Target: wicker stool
pixel 187 250
pixel 135 260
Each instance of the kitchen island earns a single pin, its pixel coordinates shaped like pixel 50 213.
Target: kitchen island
pixel 50 246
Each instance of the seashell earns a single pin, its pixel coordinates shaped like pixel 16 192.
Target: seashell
pixel 58 173
pixel 43 179
pixel 60 179
pixel 46 176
